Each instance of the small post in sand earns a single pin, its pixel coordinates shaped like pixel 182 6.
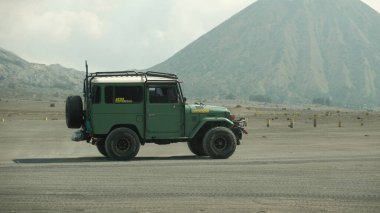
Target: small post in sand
pixel 291 125
pixel 339 121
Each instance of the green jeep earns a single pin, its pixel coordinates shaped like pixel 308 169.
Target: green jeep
pixel 123 110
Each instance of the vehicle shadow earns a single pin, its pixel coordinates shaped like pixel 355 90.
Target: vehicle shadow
pixel 100 159
pixel 60 160
pixel 186 157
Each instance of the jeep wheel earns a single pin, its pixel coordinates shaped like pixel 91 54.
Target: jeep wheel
pixel 101 145
pixel 219 143
pixel 196 147
pixel 74 112
pixel 122 144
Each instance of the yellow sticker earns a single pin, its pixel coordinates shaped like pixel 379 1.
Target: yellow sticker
pixel 200 111
pixel 119 100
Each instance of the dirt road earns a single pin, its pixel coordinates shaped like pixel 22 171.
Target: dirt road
pixel 276 169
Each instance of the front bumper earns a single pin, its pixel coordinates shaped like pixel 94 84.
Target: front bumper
pixel 238 128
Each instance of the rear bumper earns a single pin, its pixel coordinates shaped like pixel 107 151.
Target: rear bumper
pixel 78 136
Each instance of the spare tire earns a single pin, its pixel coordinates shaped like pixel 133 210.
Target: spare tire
pixel 74 112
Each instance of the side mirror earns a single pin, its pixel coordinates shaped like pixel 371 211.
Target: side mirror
pixel 184 100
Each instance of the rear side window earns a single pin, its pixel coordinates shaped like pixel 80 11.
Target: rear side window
pixel 123 94
pixel 96 94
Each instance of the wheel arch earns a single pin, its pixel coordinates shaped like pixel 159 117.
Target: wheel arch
pixel 129 126
pixel 209 123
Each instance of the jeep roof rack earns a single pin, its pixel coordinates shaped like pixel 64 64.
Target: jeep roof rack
pixel 114 73
pixel 161 74
pixel 133 73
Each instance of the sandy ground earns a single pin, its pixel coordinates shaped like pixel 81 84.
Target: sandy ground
pixel 277 169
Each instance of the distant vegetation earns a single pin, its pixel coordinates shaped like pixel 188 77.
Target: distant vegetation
pixel 322 101
pixel 260 98
pixel 230 97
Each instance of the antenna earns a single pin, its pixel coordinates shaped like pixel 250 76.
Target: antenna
pixel 86 68
pixel 86 90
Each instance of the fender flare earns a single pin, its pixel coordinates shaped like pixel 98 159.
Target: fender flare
pixel 204 121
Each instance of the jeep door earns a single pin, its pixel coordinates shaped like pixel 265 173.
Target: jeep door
pixel 164 112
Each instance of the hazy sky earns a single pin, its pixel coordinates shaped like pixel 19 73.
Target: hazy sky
pixel 110 34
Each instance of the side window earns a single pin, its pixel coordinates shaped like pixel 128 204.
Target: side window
pixel 108 94
pixel 96 94
pixel 123 94
pixel 163 94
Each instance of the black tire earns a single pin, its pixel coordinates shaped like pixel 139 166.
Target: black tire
pixel 122 144
pixel 101 145
pixel 196 147
pixel 74 112
pixel 219 143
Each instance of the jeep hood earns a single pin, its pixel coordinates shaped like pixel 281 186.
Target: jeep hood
pixel 199 109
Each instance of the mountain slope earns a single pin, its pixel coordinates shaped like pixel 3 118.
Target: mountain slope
pixel 21 79
pixel 287 50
